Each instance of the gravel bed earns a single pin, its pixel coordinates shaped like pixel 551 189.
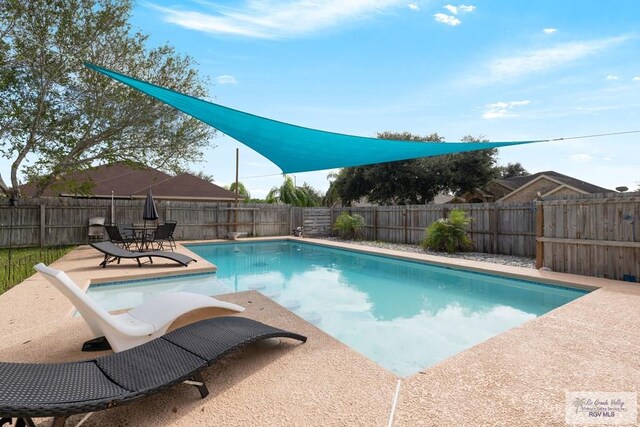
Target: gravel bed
pixel 514 261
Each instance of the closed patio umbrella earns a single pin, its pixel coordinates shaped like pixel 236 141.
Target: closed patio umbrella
pixel 149 213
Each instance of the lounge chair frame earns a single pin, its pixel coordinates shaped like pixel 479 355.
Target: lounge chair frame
pixel 113 253
pixel 60 390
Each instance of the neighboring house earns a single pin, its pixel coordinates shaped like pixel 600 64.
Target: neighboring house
pixel 530 187
pixel 545 184
pixel 124 181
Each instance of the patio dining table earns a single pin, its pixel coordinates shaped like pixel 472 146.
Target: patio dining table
pixel 141 236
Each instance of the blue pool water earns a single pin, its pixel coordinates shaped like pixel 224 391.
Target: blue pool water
pixel 405 316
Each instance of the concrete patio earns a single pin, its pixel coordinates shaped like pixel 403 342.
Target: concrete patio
pixel 518 378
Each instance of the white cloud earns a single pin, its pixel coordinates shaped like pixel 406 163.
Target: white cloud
pixel 460 9
pixel 636 78
pixel 452 9
pixel 466 9
pixel 272 19
pixel 542 60
pixel 226 80
pixel 611 77
pixel 501 110
pixel 550 30
pixel 413 6
pixel 580 158
pixel 447 19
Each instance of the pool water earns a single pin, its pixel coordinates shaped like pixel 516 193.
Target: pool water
pixel 405 316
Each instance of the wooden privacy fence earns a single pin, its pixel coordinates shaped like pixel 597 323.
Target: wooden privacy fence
pixel 594 236
pixel 591 236
pixel 64 221
pixel 499 228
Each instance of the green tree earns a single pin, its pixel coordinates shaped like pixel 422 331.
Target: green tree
pixel 332 196
pixel 471 169
pixel 415 181
pixel 290 194
pixel 65 117
pixel 511 170
pixel 242 190
pixel 314 195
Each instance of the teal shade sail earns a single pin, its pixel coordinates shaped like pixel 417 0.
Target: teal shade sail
pixel 295 148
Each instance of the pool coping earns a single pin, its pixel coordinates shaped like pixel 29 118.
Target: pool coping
pixel 523 273
pixel 503 370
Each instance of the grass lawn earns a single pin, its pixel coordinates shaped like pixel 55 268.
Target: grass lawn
pixel 22 262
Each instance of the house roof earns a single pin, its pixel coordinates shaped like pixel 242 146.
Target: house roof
pixel 127 181
pixel 443 198
pixel 510 185
pixel 519 181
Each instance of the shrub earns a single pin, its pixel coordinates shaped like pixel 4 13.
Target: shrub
pixel 449 234
pixel 349 226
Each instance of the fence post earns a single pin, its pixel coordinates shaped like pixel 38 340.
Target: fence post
pixel 404 225
pixel 43 220
pixel 494 225
pixel 539 234
pixel 291 219
pixel 445 212
pixel 253 223
pixel 375 223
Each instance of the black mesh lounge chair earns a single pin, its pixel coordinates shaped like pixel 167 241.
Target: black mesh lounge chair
pixel 115 253
pixel 60 390
pixel 117 238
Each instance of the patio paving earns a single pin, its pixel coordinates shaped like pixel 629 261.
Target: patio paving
pixel 518 378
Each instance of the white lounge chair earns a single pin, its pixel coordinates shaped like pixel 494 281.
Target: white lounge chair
pixel 140 324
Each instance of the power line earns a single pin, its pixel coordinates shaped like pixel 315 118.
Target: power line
pixel 261 176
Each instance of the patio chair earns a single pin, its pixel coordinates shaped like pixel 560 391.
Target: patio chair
pixel 114 235
pixel 126 230
pixel 96 228
pixel 135 327
pixel 172 229
pixel 60 390
pixel 115 253
pixel 161 235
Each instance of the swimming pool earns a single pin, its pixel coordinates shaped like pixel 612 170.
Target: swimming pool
pixel 406 316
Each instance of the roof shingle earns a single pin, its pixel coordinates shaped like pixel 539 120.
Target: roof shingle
pixel 127 181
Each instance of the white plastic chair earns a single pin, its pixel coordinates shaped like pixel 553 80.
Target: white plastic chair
pixel 140 324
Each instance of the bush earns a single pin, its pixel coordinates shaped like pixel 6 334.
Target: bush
pixel 349 226
pixel 449 234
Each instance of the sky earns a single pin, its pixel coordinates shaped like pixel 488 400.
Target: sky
pixel 505 70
